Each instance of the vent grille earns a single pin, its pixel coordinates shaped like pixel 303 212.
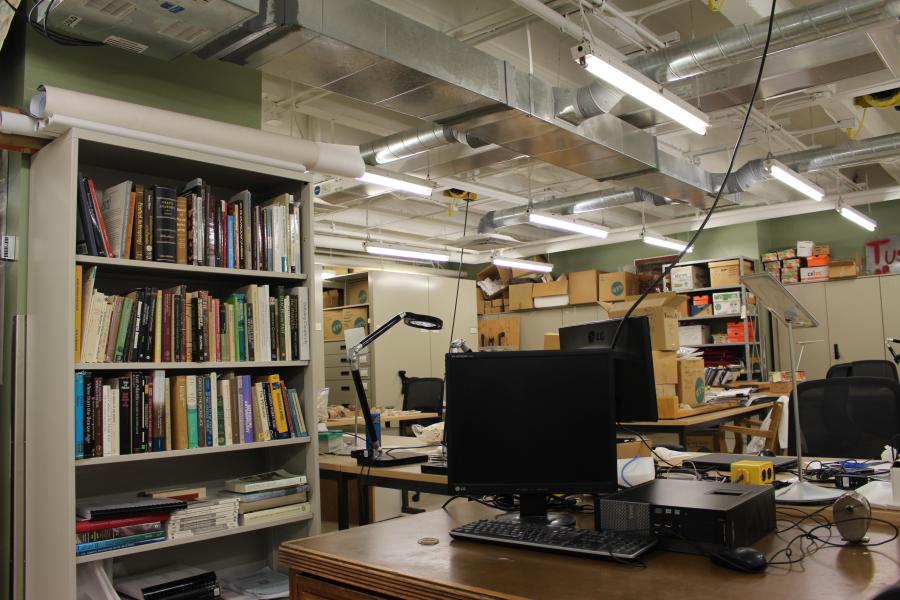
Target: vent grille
pixel 124 44
pixel 184 32
pixel 114 8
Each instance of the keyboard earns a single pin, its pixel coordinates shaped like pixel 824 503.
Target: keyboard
pixel 567 540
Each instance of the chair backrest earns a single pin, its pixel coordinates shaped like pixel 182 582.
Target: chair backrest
pixel 424 393
pixel 846 416
pixel 864 368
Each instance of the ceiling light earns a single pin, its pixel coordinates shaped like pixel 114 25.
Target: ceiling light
pixel 328 274
pixel 642 88
pixel 664 242
pixel 404 253
pixel 564 225
pixel 794 180
pixel 518 263
pixel 405 185
pixel 857 217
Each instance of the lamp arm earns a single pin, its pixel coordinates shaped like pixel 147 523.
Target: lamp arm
pixel 374 440
pixel 354 352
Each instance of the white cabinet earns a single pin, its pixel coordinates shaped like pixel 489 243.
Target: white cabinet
pixel 890 308
pixel 814 340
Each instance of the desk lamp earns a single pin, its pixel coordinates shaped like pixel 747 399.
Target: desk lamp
pixel 787 309
pixel 373 456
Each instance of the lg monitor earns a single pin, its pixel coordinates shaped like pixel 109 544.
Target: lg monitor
pixel 632 359
pixel 532 424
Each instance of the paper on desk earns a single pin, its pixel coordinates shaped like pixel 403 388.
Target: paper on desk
pixel 733 393
pixel 880 494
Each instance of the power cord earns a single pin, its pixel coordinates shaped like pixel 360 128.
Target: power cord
pixel 665 270
pixel 459 272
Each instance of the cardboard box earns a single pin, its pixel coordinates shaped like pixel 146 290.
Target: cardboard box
pixel 770 257
pixel 497 302
pixel 789 253
pixel 842 269
pixel 613 287
pixel 356 317
pixel 727 272
pixel 552 293
pixel 821 249
pixel 501 274
pixel 333 324
pixel 631 449
pixel 727 303
pixel 773 267
pixel 701 299
pixel 684 309
pixel 820 260
pixel 583 287
pixel 805 248
pixel 785 376
pixel 702 310
pixel 520 296
pixel 504 332
pixel 691 335
pixel 814 273
pixel 665 389
pixel 358 292
pixel 735 332
pixel 689 277
pixel 792 263
pixel 551 341
pixel 790 275
pixel 691 386
pixel 529 274
pixel 665 367
pixel 700 441
pixel 661 308
pixel 331 298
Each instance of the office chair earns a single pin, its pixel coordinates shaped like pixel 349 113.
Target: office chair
pixel 421 393
pixel 851 417
pixel 864 368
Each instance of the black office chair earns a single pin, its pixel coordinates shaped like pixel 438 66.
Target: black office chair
pixel 864 368
pixel 851 417
pixel 421 393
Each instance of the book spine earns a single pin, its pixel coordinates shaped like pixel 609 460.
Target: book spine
pixel 89 416
pixel 192 424
pixel 159 412
pixel 223 415
pixel 240 315
pixel 208 401
pixel 118 543
pixel 147 413
pixel 128 241
pixel 139 224
pixel 95 202
pixel 249 328
pixel 230 245
pixel 137 393
pixel 181 231
pixel 78 282
pixel 125 415
pixel 246 390
pixel 201 411
pixel 165 224
pixel 273 329
pixel 165 336
pixel 179 413
pixel 85 218
pixel 261 416
pixel 79 414
pixel 167 417
pixel 149 202
pixel 295 326
pixel 99 416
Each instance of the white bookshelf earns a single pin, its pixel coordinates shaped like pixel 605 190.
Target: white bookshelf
pixel 55 480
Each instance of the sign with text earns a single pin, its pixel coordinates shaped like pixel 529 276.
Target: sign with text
pixel 883 255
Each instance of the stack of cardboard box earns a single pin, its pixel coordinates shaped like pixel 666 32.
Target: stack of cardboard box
pixel 809 261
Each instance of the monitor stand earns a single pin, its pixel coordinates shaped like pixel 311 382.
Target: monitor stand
pixel 367 458
pixel 533 509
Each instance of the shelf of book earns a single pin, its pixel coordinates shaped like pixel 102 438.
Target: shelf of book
pixel 190 540
pixel 150 265
pixel 143 456
pixel 188 366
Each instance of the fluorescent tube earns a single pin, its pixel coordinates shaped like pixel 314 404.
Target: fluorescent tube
pixel 564 225
pixel 796 181
pixel 403 253
pixel 665 242
pixel 396 184
pixel 857 217
pixel 643 89
pixel 517 263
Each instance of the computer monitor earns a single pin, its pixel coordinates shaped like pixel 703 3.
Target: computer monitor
pixel 635 387
pixel 530 423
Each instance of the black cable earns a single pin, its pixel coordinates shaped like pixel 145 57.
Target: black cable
pixel 644 441
pixel 712 208
pixel 459 272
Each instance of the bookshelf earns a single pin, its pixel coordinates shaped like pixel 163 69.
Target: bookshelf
pixel 55 480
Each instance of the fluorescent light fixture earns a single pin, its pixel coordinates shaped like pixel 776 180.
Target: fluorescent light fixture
pixel 420 189
pixel 564 225
pixel 518 263
pixel 665 242
pixel 857 217
pixel 404 253
pixel 794 180
pixel 644 90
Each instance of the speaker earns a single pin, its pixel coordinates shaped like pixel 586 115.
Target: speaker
pixel 851 515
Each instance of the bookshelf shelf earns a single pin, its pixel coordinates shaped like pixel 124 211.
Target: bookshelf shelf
pixel 347 306
pixel 145 456
pixel 189 540
pixel 150 265
pixel 188 366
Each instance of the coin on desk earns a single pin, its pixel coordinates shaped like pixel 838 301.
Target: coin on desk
pixel 428 541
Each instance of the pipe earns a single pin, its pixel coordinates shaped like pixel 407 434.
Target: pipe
pixel 744 43
pixel 414 141
pixel 605 6
pixel 570 28
pixel 19 124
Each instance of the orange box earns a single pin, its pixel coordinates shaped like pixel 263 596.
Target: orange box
pixel 698 300
pixel 817 261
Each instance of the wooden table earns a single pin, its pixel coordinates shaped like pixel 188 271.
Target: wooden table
pixel 385 560
pixel 691 423
pixel 406 478
pixel 385 420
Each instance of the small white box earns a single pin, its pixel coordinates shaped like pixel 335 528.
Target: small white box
pixel 805 248
pixel 691 335
pixel 726 303
pixel 814 273
pixel 689 277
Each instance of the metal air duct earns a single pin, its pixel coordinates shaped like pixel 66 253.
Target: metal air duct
pixel 414 141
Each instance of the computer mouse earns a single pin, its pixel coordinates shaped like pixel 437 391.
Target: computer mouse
pixel 767 453
pixel 747 560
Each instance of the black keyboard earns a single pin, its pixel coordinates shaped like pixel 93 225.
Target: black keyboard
pixel 568 540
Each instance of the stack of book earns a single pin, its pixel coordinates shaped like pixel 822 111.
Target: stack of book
pixel 203 516
pixel 254 323
pixel 270 496
pixel 104 526
pixel 170 583
pixel 133 412
pixel 188 226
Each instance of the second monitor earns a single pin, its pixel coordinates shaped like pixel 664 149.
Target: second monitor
pixel 635 386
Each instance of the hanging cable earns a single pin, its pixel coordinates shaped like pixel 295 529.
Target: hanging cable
pixel 665 270
pixel 459 271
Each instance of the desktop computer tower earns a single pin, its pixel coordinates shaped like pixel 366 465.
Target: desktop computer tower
pixel 691 516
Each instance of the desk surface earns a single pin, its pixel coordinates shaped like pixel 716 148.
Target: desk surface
pixel 702 418
pixel 346 464
pixel 386 558
pixel 347 421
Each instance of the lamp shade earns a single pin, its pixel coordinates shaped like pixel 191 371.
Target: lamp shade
pixel 422 321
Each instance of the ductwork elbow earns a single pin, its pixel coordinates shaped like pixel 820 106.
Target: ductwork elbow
pixel 575 106
pixel 414 141
pixel 742 179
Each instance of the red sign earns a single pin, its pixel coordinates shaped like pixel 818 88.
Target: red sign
pixel 883 255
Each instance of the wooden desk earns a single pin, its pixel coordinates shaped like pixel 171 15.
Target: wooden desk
pixel 386 421
pixel 691 423
pixel 385 560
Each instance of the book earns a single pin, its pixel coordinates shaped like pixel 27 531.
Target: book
pixel 181 231
pixel 265 494
pixel 128 242
pixel 79 414
pixel 286 500
pixel 165 224
pixel 172 581
pixel 78 305
pixel 178 493
pixel 88 525
pixel 94 510
pixel 117 543
pixel 115 204
pixel 110 533
pixel 138 235
pixel 276 514
pixel 98 215
pixel 264 481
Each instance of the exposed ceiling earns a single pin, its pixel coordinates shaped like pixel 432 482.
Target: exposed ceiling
pixel 808 102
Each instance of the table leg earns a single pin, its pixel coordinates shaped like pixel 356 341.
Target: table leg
pixel 362 488
pixel 404 504
pixel 343 494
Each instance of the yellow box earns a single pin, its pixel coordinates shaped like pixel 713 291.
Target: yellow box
pixel 753 472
